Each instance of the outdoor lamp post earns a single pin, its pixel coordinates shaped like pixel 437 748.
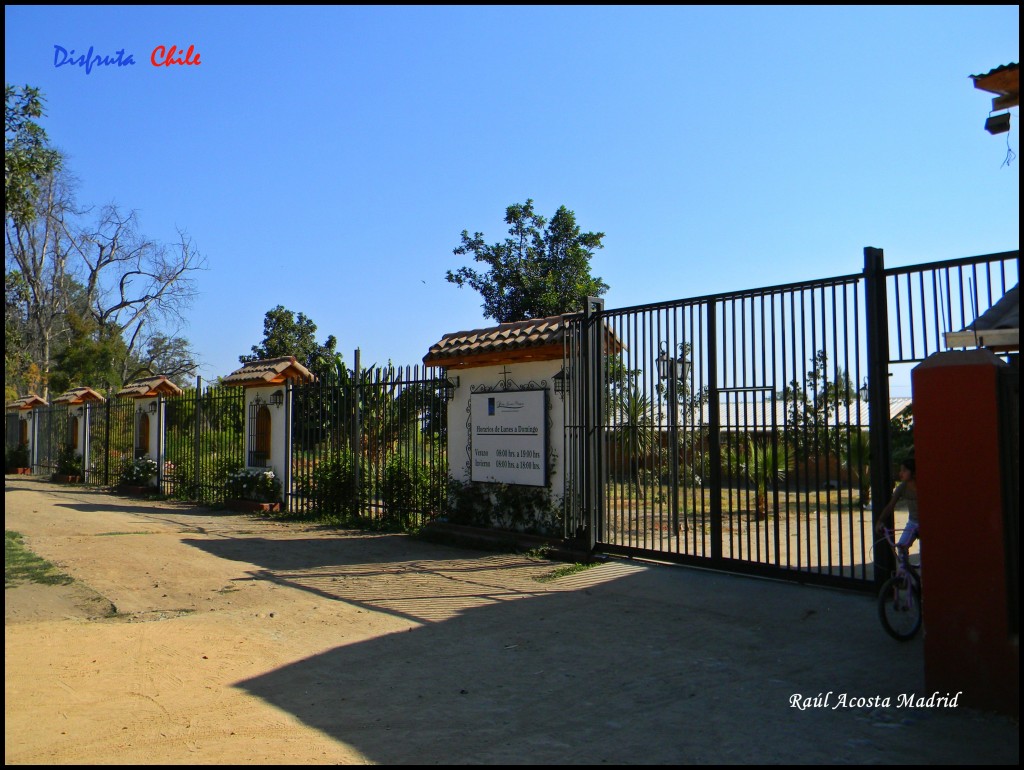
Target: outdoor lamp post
pixel 672 371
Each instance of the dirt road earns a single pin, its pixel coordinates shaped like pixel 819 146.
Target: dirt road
pixel 198 637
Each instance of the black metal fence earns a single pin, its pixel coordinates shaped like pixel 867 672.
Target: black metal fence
pixel 748 430
pixel 204 434
pixel 370 445
pixel 367 446
pixel 751 430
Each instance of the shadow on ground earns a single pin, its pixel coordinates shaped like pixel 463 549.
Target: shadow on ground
pixel 624 665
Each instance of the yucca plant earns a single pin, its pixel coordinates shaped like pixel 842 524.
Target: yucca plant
pixel 763 463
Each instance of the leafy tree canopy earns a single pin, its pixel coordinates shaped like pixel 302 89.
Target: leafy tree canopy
pixel 284 334
pixel 27 154
pixel 542 269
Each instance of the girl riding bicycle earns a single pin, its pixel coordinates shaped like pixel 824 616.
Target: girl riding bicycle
pixel 906 490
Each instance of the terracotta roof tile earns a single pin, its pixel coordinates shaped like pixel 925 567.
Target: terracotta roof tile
pixel 514 335
pixel 270 370
pixel 27 402
pixel 150 386
pixel 78 396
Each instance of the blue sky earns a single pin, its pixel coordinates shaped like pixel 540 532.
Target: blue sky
pixel 327 159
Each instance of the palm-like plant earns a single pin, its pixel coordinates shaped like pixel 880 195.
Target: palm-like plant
pixel 855 459
pixel 634 431
pixel 762 463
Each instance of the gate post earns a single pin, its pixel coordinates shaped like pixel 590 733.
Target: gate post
pixel 196 453
pixel 357 429
pixel 592 407
pixel 878 392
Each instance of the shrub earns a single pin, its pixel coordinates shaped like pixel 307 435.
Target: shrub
pixel 18 457
pixel 263 486
pixel 181 479
pixel 332 488
pixel 69 463
pixel 406 491
pixel 530 510
pixel 138 473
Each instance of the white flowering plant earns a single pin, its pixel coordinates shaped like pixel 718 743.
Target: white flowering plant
pixel 253 484
pixel 139 472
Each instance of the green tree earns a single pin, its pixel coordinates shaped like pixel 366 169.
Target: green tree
pixel 93 356
pixel 284 334
pixel 171 356
pixel 101 268
pixel 542 269
pixel 811 409
pixel 27 154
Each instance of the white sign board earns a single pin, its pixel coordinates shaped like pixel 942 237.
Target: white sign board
pixel 508 437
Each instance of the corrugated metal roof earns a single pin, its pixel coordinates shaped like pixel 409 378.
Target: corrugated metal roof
pixel 758 416
pixel 270 370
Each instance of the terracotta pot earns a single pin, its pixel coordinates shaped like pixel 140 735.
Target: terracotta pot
pixel 137 491
pixel 63 478
pixel 252 506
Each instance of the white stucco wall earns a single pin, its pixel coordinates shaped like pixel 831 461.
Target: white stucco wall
pixel 278 435
pixel 521 375
pixel 157 426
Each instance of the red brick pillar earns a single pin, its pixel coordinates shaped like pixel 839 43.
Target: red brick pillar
pixel 968 646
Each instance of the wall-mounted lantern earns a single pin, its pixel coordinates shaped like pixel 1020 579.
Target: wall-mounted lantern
pixel 449 387
pixel 998 124
pixel 560 381
pixel 152 407
pixel 277 398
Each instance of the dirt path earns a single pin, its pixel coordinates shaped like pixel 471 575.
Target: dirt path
pixel 240 641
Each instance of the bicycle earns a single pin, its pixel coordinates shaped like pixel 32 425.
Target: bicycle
pixel 899 600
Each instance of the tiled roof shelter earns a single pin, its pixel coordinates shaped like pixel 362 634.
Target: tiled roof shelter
pixel 537 339
pixel 998 328
pixel 1004 81
pixel 79 396
pixel 158 385
pixel 272 371
pixel 30 401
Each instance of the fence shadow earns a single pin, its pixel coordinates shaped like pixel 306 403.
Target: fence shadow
pixel 657 666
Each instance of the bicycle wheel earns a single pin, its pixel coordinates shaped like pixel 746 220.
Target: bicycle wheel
pixel 899 607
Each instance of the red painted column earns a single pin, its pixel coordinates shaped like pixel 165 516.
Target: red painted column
pixel 968 646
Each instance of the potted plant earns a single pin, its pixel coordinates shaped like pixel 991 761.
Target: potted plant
pixel 17 460
pixel 137 476
pixel 253 489
pixel 69 466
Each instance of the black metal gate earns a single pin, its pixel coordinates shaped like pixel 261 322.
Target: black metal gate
pixel 736 431
pixel 370 446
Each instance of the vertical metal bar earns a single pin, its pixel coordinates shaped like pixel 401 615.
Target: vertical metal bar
pixel 714 437
pixel 878 389
pixel 197 453
pixel 357 433
pixel 289 449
